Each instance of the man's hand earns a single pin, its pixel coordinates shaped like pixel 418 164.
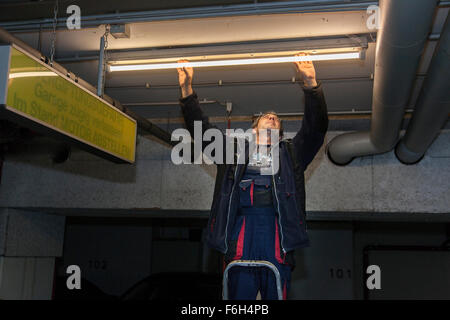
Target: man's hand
pixel 185 76
pixel 306 71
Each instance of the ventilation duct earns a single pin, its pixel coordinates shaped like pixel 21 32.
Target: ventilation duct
pixel 432 107
pixel 405 25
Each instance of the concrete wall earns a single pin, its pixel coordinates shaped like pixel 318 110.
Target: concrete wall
pixel 115 257
pixel 26 278
pixel 29 243
pixel 30 240
pixel 325 269
pixel 401 234
pixel 112 257
pixel 25 234
pixel 378 183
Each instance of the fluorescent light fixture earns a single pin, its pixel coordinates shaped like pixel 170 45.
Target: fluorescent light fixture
pixel 236 62
pixel 32 74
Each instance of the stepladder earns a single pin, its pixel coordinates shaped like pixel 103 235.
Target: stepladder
pixel 251 264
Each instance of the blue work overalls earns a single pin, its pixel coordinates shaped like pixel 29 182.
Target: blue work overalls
pixel 256 237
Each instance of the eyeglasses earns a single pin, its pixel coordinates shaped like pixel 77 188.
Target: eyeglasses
pixel 270 115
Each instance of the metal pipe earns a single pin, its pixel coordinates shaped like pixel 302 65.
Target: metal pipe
pixel 334 113
pixel 398 52
pixel 240 83
pixel 163 52
pixel 273 45
pixel 166 103
pixel 432 106
pixel 76 59
pixel 281 114
pixel 101 66
pixel 200 12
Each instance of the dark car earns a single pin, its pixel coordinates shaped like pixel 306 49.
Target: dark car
pixel 177 286
pixel 89 291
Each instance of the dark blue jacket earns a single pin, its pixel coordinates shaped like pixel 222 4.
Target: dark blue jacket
pixel 289 182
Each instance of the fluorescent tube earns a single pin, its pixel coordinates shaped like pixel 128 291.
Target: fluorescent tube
pixel 235 62
pixel 32 74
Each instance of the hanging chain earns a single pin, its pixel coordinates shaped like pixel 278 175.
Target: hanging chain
pixel 55 22
pixel 105 54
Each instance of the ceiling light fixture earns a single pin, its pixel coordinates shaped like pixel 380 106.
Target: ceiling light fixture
pixel 235 62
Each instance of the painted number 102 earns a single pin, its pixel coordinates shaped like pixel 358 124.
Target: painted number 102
pixel 336 273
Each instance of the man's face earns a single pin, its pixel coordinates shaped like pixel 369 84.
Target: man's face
pixel 269 121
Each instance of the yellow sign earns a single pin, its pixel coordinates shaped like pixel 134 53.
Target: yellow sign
pixel 37 92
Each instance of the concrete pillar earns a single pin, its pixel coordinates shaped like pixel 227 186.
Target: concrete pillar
pixel 29 243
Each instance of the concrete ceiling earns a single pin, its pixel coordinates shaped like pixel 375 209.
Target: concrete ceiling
pixel 13 10
pixel 347 84
pixel 189 32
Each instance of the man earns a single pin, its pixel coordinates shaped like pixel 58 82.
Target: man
pixel 257 216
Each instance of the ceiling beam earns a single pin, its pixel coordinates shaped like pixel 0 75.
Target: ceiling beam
pixel 264 8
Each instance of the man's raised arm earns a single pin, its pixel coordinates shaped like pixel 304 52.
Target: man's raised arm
pixel 190 105
pixel 311 136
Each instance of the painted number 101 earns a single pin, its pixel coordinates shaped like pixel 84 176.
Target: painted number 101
pixel 336 273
